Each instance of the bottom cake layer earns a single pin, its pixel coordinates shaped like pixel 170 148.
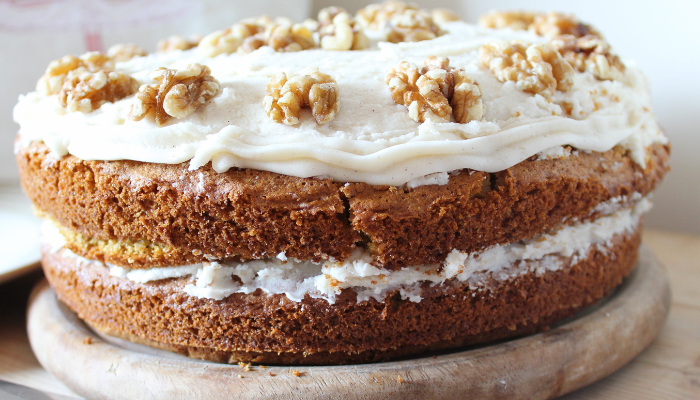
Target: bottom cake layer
pixel 272 329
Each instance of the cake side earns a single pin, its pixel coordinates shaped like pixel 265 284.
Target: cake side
pixel 273 329
pixel 177 217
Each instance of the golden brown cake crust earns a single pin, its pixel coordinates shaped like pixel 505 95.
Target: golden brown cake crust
pixel 182 217
pixel 272 329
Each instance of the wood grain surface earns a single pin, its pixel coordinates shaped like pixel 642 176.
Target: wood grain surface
pixel 668 369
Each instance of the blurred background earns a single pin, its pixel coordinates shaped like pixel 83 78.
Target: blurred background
pixel 662 37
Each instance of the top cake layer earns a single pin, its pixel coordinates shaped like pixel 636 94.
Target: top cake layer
pixel 371 139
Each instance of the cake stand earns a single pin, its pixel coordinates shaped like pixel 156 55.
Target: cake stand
pixel 574 353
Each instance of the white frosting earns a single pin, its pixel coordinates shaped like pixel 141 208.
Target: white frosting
pixel 295 279
pixel 372 139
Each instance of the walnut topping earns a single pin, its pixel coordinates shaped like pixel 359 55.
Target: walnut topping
pixel 86 91
pixel 228 40
pixel 291 38
pixel 177 93
pixel 516 20
pixel 251 34
pixel 536 68
pixel 377 16
pixel 555 24
pixel 286 96
pixel 413 26
pixel 549 25
pixel 52 80
pixel 590 53
pixel 125 52
pixel 442 15
pixel 177 42
pixel 339 30
pixel 436 90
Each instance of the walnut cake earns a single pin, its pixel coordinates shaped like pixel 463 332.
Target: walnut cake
pixel 346 189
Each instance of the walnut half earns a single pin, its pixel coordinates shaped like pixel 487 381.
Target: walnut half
pixel 413 26
pixel 177 93
pixel 286 96
pixel 535 68
pixel 436 91
pixel 125 51
pixel 86 91
pixel 550 25
pixel 590 53
pixel 339 30
pixel 52 80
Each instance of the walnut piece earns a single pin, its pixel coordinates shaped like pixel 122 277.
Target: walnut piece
pixel 377 16
pixel 177 93
pixel 286 96
pixel 228 40
pixel 436 91
pixel 554 24
pixel 550 25
pixel 442 15
pixel 125 52
pixel 177 42
pixel 86 91
pixel 339 31
pixel 590 53
pixel 250 34
pixel 52 80
pixel 516 20
pixel 536 68
pixel 412 26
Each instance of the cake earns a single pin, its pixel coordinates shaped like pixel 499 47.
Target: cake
pixel 349 189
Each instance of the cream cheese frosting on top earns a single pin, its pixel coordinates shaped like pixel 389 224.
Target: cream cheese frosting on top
pixel 372 139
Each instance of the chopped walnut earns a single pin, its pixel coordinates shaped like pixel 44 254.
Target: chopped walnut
pixel 442 15
pixel 377 16
pixel 177 93
pixel 516 20
pixel 52 80
pixel 177 42
pixel 412 26
pixel 435 89
pixel 286 96
pixel 340 31
pixel 86 91
pixel 536 68
pixel 590 53
pixel 125 52
pixel 555 24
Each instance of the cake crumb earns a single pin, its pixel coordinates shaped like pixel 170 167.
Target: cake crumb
pixel 240 376
pixel 87 340
pixel 271 374
pixel 263 367
pixel 399 379
pixel 297 373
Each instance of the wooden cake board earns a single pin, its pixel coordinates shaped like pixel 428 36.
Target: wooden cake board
pixel 585 348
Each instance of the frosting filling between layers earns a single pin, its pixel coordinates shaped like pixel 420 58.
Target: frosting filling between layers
pixel 372 139
pixel 326 280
